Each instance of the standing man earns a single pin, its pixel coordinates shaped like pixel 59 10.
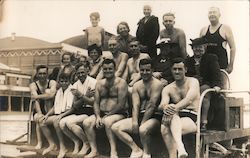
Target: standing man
pixel 217 36
pixel 42 91
pixel 173 35
pixel 148 31
pixel 180 101
pixel 109 107
pixel 145 119
pixel 119 57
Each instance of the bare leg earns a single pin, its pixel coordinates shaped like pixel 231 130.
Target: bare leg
pixel 145 131
pixel 78 131
pixel 89 125
pixel 169 141
pixel 38 132
pixel 176 130
pixel 48 135
pixel 68 133
pixel 108 122
pixel 63 150
pixel 121 129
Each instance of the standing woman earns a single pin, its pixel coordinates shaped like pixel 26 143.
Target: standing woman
pixel 148 31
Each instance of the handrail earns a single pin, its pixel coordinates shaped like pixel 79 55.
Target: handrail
pixel 29 123
pixel 197 144
pixel 227 76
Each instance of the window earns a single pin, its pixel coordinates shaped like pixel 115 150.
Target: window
pixel 16 103
pixel 3 103
pixel 26 103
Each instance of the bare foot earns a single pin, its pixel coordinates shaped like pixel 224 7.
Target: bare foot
pixel 136 153
pixel 92 154
pixel 76 148
pixel 62 152
pixel 182 154
pixel 84 150
pixel 38 146
pixel 50 148
pixel 114 156
pixel 145 155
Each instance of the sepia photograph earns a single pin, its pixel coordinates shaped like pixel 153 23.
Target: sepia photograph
pixel 124 79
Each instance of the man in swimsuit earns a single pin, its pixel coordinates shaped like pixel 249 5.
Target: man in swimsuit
pixel 218 35
pixel 109 107
pixel 133 63
pixel 119 57
pixel 174 35
pixel 145 117
pixel 42 93
pixel 180 101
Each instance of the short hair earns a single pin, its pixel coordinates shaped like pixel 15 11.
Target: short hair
pixel 217 8
pixel 177 60
pixel 109 61
pixel 66 76
pixel 94 47
pixel 168 14
pixel 95 14
pixel 41 67
pixel 145 62
pixel 84 64
pixel 147 6
pixel 66 53
pixel 122 23
pixel 135 40
pixel 113 38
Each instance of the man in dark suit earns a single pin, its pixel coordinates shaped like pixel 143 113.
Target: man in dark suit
pixel 205 67
pixel 148 31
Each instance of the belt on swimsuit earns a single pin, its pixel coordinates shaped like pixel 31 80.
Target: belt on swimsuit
pixel 188 111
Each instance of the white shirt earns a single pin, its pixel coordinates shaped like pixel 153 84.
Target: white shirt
pixel 83 87
pixel 63 100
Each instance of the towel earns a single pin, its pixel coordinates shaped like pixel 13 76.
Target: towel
pixel 63 100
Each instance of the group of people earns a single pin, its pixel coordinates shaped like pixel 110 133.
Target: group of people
pixel 134 91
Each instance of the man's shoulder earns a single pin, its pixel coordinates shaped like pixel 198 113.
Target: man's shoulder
pixel 192 80
pixel 138 84
pixel 179 31
pixel 144 56
pixel 91 79
pixel 120 81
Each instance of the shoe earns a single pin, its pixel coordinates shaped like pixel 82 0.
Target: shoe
pixel 203 127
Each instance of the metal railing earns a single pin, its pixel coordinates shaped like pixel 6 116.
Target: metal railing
pixel 198 141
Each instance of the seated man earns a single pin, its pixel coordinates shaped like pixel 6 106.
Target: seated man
pixel 205 67
pixel 145 117
pixel 63 102
pixel 95 59
pixel 119 57
pixel 43 92
pixel 133 63
pixel 109 107
pixel 71 120
pixel 180 101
